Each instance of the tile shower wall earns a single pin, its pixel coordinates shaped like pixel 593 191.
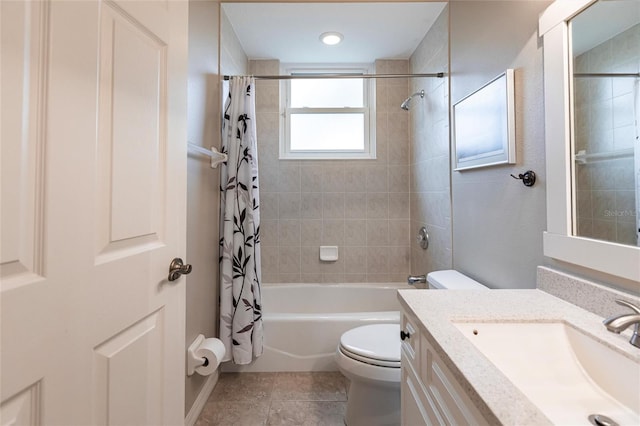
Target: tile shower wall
pixel 429 124
pixel 605 123
pixel 360 206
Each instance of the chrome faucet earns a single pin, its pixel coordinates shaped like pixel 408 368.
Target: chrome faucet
pixel 619 323
pixel 416 279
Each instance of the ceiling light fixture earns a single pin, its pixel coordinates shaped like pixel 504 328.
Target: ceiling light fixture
pixel 331 38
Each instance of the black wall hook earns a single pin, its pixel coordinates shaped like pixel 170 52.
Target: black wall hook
pixel 528 178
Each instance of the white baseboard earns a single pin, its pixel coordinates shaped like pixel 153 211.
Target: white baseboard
pixel 201 400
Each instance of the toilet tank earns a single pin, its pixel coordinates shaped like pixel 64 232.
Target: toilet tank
pixel 452 280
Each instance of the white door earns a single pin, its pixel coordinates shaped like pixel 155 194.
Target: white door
pixel 93 158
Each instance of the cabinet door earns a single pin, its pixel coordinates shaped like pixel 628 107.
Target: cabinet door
pixel 412 411
pixel 453 403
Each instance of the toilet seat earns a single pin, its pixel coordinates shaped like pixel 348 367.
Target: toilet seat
pixel 376 344
pixel 372 361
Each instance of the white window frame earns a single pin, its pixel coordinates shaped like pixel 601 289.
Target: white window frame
pixel 369 151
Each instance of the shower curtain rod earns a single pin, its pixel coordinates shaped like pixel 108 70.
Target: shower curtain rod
pixel 607 74
pixel 324 76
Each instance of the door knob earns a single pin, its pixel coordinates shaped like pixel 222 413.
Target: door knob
pixel 177 268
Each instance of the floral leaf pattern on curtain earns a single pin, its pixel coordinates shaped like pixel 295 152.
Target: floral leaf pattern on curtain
pixel 240 269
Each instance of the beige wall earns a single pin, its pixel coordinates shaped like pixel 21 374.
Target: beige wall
pixel 360 206
pixel 203 198
pixel 203 182
pixel 429 148
pixel 497 221
pixel 604 122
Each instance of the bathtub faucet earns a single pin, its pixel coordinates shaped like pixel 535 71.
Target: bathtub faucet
pixel 416 279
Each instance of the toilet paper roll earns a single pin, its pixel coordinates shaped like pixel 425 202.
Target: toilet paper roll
pixel 213 351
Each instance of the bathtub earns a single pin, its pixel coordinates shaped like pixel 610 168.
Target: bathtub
pixel 303 322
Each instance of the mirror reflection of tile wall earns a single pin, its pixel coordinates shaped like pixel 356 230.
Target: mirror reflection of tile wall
pixel 605 122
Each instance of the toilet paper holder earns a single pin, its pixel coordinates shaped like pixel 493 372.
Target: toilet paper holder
pixel 194 361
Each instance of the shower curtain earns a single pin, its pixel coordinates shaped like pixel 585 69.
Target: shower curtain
pixel 240 276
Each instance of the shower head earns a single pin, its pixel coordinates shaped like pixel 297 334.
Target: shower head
pixel 407 102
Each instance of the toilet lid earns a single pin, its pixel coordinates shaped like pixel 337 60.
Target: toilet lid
pixel 376 342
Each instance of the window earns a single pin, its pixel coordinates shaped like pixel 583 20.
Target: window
pixel 328 118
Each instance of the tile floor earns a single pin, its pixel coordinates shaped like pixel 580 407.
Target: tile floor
pixel 277 399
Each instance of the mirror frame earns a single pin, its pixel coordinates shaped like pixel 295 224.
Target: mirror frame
pixel 558 241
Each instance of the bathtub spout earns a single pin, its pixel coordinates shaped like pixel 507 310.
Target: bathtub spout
pixel 416 279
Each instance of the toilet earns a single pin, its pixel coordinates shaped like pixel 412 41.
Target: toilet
pixel 369 356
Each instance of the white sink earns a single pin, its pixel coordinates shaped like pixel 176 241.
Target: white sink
pixel 566 373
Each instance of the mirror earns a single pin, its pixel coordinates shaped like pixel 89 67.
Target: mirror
pixel 605 46
pixel 562 241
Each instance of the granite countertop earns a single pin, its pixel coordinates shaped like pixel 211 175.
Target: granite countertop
pixel 497 399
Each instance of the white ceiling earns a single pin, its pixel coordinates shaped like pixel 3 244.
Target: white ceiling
pixel 289 31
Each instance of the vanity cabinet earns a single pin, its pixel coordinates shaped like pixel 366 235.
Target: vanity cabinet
pixel 429 393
